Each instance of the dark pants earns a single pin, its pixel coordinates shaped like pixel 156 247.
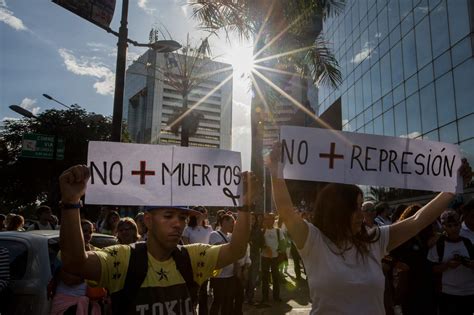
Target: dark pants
pixel 267 265
pixel 203 309
pixel 253 276
pixel 223 290
pixel 456 304
pixel 238 296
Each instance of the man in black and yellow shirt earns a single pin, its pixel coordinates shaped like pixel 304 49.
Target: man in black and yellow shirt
pixel 163 290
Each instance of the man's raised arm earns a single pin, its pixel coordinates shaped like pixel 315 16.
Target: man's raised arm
pixel 236 249
pixel 75 260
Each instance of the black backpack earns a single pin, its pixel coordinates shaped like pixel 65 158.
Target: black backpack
pixel 440 247
pixel 138 268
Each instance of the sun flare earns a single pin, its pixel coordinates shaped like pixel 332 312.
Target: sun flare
pixel 241 58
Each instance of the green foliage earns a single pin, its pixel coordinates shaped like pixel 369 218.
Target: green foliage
pixel 292 26
pixel 25 181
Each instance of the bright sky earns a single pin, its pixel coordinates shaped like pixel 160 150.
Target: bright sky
pixel 46 49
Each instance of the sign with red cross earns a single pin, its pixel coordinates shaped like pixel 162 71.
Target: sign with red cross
pixel 324 155
pixel 155 175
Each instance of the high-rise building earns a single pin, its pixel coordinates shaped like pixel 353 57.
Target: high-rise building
pixel 408 69
pixel 150 99
pixel 284 111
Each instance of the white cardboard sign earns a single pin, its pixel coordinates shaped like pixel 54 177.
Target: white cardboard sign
pixel 315 154
pixel 155 175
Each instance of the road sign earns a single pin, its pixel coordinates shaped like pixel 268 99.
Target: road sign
pixel 99 12
pixel 39 146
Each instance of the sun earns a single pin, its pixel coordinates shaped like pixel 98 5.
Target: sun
pixel 240 56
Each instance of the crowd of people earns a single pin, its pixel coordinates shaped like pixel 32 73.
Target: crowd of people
pixel 358 257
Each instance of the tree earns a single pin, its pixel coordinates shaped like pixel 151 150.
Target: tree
pixel 286 37
pixel 26 180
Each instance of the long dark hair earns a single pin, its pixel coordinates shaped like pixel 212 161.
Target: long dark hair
pixel 193 222
pixel 335 206
pixel 107 224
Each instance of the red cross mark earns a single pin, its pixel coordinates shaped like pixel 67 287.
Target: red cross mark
pixel 143 172
pixel 332 155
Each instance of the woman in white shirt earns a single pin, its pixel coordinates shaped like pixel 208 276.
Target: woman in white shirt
pixel 342 259
pixel 197 231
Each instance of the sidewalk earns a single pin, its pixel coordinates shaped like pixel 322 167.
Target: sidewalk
pixel 294 295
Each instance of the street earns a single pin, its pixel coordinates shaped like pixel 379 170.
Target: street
pixel 295 298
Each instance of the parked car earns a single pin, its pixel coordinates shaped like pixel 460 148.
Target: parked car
pixel 32 258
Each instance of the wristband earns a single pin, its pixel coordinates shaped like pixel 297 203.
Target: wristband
pixel 66 206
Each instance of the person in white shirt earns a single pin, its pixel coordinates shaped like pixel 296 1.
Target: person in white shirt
pixel 383 214
pixel 453 257
pixel 223 284
pixel 270 258
pixel 342 259
pixel 197 231
pixel 467 227
pixel 44 214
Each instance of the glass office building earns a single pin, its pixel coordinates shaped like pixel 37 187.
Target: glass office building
pixel 408 69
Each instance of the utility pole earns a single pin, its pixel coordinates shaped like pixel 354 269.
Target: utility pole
pixel 120 75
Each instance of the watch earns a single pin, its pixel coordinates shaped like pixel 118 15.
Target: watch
pixel 66 206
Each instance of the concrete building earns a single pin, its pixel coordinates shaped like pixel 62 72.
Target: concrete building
pixel 150 100
pixel 407 68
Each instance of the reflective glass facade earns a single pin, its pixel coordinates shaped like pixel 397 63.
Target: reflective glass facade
pixel 408 69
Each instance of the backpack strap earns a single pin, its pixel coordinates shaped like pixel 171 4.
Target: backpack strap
pixel 440 248
pixel 136 274
pixel 183 264
pixel 469 246
pixel 223 237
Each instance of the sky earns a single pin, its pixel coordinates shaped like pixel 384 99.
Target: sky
pixel 46 49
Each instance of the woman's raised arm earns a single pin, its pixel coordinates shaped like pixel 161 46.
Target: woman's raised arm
pixel 402 231
pixel 297 227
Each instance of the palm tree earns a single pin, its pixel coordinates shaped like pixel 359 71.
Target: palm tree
pixel 286 37
pixel 185 71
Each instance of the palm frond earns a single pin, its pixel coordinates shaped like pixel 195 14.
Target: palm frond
pixel 322 65
pixel 228 15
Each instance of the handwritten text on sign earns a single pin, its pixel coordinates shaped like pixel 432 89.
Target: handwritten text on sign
pixel 342 157
pixel 141 174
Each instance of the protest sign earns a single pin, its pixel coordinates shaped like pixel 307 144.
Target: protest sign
pixel 144 174
pixel 315 154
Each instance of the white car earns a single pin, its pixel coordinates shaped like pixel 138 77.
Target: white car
pixel 32 258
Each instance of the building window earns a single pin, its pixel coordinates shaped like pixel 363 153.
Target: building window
pixel 449 133
pixel 445 99
pixel 463 87
pixel 429 118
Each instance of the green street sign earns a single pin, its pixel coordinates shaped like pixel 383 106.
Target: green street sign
pixel 39 146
